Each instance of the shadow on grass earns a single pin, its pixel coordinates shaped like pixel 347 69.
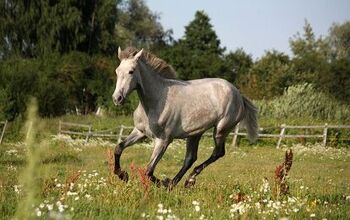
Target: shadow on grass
pixel 13 162
pixel 62 158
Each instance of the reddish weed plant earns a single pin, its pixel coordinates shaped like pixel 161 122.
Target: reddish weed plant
pixel 281 174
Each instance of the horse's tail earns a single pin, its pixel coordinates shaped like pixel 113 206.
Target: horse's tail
pixel 250 119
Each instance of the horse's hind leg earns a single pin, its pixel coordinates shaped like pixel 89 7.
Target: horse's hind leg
pixel 190 158
pixel 218 152
pixel 133 137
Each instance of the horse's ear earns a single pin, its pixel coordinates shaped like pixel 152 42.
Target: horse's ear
pixel 138 55
pixel 119 53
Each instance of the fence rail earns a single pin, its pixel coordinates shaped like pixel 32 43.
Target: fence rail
pixel 3 125
pixel 283 134
pixel 119 132
pixel 66 128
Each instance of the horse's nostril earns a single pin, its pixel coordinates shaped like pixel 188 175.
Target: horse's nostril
pixel 120 98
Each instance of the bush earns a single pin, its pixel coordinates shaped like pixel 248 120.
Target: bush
pixel 61 85
pixel 304 101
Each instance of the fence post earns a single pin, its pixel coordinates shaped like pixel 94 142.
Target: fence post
pixel 283 129
pixel 88 134
pixel 59 127
pixel 325 131
pixel 235 135
pixel 120 133
pixel 3 132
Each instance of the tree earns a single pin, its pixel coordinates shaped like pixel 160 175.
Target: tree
pixel 311 56
pixel 198 54
pixel 337 81
pixel 339 40
pixel 138 26
pixel 36 28
pixel 239 62
pixel 200 36
pixel 268 77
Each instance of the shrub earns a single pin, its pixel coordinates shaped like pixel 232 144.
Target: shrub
pixel 304 101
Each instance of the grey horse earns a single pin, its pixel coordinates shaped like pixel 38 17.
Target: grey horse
pixel 174 109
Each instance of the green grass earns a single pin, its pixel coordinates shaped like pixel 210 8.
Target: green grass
pixel 53 177
pixel 318 182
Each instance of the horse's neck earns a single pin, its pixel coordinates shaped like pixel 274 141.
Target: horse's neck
pixel 152 87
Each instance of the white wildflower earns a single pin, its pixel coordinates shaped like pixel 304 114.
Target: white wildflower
pixel 312 215
pixel 60 208
pixel 202 217
pixel 38 212
pixel 291 199
pixel 265 188
pixel 69 193
pixel 88 197
pixel 49 207
pixel 239 208
pixel 257 205
pixel 195 202
pixel 197 208
pixel 17 188
pixel 12 152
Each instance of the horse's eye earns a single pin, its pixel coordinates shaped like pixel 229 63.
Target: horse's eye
pixel 131 71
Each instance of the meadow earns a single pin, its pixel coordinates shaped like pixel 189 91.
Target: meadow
pixel 50 176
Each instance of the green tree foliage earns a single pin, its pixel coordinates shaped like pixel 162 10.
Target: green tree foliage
pixel 60 52
pixel 337 81
pixel 138 26
pixel 310 56
pixel 33 28
pixel 339 40
pixel 64 53
pixel 18 80
pixel 324 62
pixel 268 77
pixel 239 62
pixel 198 54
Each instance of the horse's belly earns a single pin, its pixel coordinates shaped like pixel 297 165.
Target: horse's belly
pixel 196 122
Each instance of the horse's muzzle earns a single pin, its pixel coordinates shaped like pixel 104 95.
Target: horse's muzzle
pixel 119 100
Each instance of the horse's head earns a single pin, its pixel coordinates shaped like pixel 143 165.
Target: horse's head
pixel 127 74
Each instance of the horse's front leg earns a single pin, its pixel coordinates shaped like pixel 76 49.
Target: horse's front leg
pixel 133 137
pixel 160 146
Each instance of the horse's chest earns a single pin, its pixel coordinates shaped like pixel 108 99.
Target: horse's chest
pixel 161 125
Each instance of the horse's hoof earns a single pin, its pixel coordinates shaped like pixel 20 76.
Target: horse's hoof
pixel 123 175
pixel 166 182
pixel 190 182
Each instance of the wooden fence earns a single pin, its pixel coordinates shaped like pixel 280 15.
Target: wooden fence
pixel 3 125
pixel 119 132
pixel 282 134
pixel 86 131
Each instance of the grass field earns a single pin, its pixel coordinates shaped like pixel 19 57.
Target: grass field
pixel 55 177
pixel 66 179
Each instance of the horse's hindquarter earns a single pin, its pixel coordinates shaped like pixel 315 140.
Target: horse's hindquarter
pixel 199 105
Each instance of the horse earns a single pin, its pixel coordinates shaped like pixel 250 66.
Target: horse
pixel 170 109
